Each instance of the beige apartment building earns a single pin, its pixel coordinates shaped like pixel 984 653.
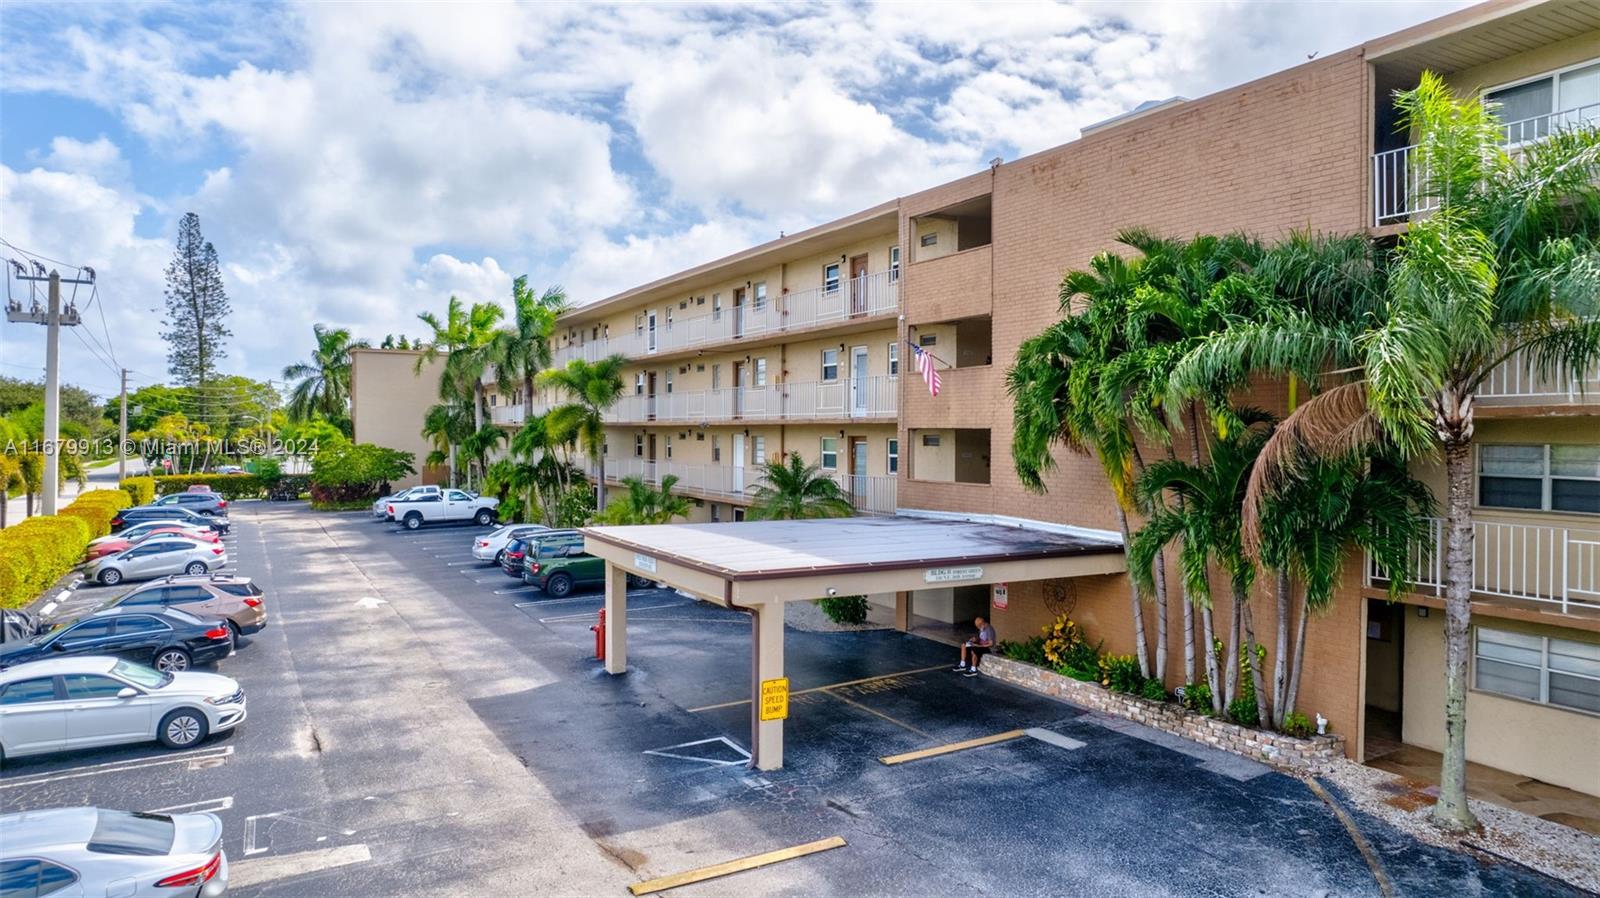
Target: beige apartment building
pixel 797 345
pixel 388 397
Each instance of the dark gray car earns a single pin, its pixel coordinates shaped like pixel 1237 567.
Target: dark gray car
pixel 208 504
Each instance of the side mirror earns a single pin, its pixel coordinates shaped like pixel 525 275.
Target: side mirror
pixel 58 646
pixel 127 692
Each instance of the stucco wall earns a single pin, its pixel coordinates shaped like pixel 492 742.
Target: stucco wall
pixel 388 400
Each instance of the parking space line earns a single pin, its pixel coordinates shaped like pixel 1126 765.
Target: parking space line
pixel 587 616
pixel 903 673
pixel 701 874
pixel 39 779
pixel 254 871
pixel 937 750
pixel 516 589
pixel 875 713
pixel 196 807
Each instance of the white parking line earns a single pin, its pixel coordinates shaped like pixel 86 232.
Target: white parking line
pixel 255 871
pixel 516 589
pixel 250 846
pixel 587 616
pixel 460 563
pixel 203 754
pixel 196 807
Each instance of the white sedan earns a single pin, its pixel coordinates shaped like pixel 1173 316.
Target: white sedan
pixel 489 546
pixel 62 704
pixel 73 852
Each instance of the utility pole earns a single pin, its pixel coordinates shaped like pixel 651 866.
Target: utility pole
pixel 122 441
pixel 52 318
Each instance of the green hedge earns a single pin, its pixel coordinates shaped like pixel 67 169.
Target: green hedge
pixel 230 486
pixel 142 490
pixel 36 552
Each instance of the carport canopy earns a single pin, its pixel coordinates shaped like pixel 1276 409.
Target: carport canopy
pixel 757 566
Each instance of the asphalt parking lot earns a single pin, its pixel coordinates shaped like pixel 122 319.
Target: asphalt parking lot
pixel 424 725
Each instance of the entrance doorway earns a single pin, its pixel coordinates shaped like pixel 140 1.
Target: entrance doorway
pixel 650 397
pixel 1386 627
pixel 738 463
pixel 738 311
pixel 858 471
pixel 738 389
pixel 860 384
pixel 650 458
pixel 858 285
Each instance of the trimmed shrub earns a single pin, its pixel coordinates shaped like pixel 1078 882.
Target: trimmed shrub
pixel 37 551
pixel 140 490
pixel 1120 673
pixel 1153 690
pixel 229 486
pixel 845 609
pixel 96 508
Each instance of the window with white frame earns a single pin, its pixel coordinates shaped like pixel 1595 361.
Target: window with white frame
pixel 669 445
pixel 1544 669
pixel 759 295
pixel 1542 477
pixel 830 364
pixel 894 264
pixel 893 455
pixel 669 380
pixel 716 449
pixel 638 383
pixel 716 377
pixel 830 453
pixel 669 317
pixel 638 445
pixel 716 512
pixel 759 445
pixel 894 359
pixel 830 277
pixel 1532 109
pixel 716 307
pixel 761 372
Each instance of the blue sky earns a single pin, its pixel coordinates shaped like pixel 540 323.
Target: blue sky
pixel 355 164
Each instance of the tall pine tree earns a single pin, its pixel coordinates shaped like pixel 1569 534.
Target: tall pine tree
pixel 197 306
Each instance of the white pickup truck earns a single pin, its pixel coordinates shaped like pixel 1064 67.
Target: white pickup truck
pixel 447 506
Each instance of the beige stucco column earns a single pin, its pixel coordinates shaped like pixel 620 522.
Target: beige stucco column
pixel 902 610
pixel 616 619
pixel 766 663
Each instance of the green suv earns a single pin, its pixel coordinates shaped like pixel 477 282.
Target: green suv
pixel 555 562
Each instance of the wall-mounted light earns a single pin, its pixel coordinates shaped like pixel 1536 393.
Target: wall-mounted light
pixel 841 434
pixel 747 431
pixel 1422 611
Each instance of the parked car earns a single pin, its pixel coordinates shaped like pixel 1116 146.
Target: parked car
pixel 157 557
pixel 64 704
pixel 236 600
pixel 228 469
pixel 556 563
pixel 167 639
pixel 141 513
pixel 490 546
pixel 380 508
pixel 450 506
pixel 135 531
pixel 206 503
pixel 71 852
pixel 112 546
pixel 511 557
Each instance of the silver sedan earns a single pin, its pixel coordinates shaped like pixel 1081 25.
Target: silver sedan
pixel 157 557
pixel 94 851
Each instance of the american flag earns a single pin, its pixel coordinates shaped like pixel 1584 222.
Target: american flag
pixel 930 374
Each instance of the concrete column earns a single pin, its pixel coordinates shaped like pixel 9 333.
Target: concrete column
pixel 616 619
pixel 902 611
pixel 766 663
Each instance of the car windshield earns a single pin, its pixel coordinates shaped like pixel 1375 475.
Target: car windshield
pixel 125 832
pixel 140 675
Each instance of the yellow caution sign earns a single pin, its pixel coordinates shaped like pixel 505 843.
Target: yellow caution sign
pixel 775 699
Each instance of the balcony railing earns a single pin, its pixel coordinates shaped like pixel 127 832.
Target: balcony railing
pixel 866 398
pixel 1513 383
pixel 1555 566
pixel 870 494
pixel 1400 183
pixel 861 297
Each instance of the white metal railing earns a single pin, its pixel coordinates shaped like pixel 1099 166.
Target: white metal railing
pixel 870 494
pixel 1551 565
pixel 867 398
pixel 1399 181
pixel 1512 382
pixel 860 297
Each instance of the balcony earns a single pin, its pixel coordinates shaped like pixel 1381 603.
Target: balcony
pixel 861 398
pixel 515 414
pixel 870 494
pixel 1512 385
pixel 868 296
pixel 1556 568
pixel 1399 184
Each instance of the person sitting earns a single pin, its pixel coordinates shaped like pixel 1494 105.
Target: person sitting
pixel 976 647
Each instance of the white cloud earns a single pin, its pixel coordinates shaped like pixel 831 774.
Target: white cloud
pixel 99 158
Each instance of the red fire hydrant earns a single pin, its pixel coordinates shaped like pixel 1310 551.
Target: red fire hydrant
pixel 600 637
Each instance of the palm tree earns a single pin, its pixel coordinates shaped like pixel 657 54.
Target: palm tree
pixel 1207 527
pixel 593 388
pixel 791 490
pixel 522 350
pixel 478 444
pixel 1503 266
pixel 323 382
pixel 1307 531
pixel 535 445
pixel 466 337
pixel 445 425
pixel 646 504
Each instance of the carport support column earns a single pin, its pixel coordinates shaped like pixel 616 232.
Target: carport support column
pixel 616 619
pixel 766 663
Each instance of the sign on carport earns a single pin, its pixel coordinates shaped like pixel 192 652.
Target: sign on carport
pixel 775 699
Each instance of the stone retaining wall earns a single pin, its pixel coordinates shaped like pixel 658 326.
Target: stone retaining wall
pixel 1314 755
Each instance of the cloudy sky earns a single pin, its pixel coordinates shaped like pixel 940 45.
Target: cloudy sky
pixel 356 163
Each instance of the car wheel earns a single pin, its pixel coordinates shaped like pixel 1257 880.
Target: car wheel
pixel 110 576
pixel 500 558
pixel 558 586
pixel 413 521
pixel 484 517
pixel 636 582
pixel 195 568
pixel 172 660
pixel 182 728
pixel 234 629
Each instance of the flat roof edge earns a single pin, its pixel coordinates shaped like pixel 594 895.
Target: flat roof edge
pixel 1107 536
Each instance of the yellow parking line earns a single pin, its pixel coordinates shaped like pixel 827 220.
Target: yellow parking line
pixel 903 673
pixel 954 746
pixel 736 866
pixel 898 723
